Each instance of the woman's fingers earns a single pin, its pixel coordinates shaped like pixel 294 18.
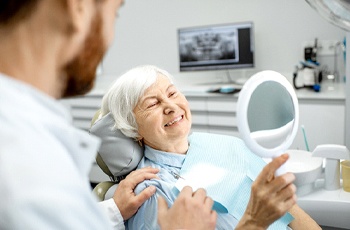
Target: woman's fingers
pixel 268 173
pixel 281 182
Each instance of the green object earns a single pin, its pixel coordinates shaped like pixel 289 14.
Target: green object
pixel 305 139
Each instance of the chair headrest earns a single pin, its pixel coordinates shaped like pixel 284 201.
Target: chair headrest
pixel 119 154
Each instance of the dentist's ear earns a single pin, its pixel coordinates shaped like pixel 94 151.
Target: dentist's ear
pixel 71 20
pixel 79 15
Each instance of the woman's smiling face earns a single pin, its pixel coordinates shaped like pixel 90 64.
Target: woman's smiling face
pixel 163 117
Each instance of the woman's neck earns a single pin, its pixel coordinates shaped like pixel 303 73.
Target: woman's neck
pixel 180 146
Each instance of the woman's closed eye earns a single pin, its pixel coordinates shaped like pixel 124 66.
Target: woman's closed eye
pixel 172 94
pixel 152 104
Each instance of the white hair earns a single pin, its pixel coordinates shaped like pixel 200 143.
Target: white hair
pixel 123 96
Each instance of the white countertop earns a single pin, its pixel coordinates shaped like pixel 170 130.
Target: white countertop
pixel 327 208
pixel 328 91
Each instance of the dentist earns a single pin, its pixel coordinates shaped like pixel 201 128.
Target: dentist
pixel 49 49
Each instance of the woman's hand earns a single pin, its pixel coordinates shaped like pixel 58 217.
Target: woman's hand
pixel 271 197
pixel 189 211
pixel 127 202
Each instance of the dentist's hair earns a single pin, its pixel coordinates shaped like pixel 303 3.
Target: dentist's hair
pixel 123 96
pixel 14 11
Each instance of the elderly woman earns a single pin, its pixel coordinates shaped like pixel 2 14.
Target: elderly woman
pixel 147 106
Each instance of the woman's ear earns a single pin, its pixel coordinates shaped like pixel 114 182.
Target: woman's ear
pixel 139 139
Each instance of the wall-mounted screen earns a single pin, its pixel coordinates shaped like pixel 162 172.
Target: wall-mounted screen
pixel 226 46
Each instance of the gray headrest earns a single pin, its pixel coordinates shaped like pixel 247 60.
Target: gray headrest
pixel 120 154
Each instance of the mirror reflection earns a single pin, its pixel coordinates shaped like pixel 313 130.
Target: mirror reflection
pixel 271 114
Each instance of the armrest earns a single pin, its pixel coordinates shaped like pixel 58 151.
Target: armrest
pixel 102 188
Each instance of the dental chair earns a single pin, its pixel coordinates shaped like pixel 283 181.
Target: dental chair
pixel 117 157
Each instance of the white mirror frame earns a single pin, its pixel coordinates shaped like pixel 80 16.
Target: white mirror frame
pixel 242 112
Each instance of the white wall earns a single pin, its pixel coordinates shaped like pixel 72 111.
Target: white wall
pixel 146 33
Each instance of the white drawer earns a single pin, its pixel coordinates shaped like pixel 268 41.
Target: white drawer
pixel 82 124
pixel 85 113
pixel 200 119
pixel 197 105
pixel 222 106
pixel 203 129
pixel 86 102
pixel 226 120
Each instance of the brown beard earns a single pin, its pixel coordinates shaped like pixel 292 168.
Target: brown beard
pixel 81 71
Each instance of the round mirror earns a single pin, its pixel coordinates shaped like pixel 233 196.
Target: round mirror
pixel 268 114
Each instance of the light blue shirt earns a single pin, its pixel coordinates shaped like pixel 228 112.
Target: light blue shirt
pixel 44 164
pixel 168 163
pixel 223 150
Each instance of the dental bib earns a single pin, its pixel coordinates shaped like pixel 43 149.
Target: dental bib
pixel 226 169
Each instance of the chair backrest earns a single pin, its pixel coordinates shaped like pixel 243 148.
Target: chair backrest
pixel 118 155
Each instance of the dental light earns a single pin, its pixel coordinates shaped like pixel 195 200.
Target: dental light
pixel 336 12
